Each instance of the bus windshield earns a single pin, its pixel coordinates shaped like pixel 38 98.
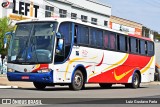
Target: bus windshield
pixel 32 43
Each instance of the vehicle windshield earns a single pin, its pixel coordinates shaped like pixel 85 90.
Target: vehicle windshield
pixel 32 43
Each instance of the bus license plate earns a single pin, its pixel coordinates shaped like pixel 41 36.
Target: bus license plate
pixel 25 77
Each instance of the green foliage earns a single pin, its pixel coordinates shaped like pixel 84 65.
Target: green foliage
pixel 4 27
pixel 146 33
pixel 157 35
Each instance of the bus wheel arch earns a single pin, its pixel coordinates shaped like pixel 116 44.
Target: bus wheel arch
pixel 136 80
pixel 80 69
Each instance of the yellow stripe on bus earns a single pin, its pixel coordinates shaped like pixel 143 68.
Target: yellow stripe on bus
pixel 147 66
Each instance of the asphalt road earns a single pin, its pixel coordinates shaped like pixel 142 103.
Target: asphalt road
pixel 88 96
pixel 117 91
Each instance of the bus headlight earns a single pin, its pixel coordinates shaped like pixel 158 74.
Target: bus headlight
pixel 44 70
pixel 10 70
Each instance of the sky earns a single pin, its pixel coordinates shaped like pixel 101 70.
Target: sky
pixel 146 12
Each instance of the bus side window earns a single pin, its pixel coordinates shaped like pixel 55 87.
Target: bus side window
pixel 93 39
pixel 106 40
pixel 133 45
pixel 150 48
pixel 100 38
pixel 121 43
pixel 82 35
pixel 112 41
pixel 142 47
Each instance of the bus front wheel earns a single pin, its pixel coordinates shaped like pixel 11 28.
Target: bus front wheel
pixel 39 86
pixel 77 82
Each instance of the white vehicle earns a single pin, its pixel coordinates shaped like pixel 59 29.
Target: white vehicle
pixel 69 52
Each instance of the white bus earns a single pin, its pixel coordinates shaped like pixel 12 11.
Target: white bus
pixel 63 51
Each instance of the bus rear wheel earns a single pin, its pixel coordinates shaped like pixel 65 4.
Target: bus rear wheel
pixel 39 86
pixel 136 82
pixel 105 85
pixel 77 82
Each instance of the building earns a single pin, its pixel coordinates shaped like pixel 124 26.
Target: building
pixel 124 25
pixel 85 10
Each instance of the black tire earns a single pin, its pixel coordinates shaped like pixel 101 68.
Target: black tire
pixel 105 85
pixel 39 86
pixel 136 82
pixel 158 75
pixel 78 81
pixel 128 85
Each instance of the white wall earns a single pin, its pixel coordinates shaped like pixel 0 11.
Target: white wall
pixel 3 12
pixel 81 7
pixel 93 6
pixel 157 52
pixel 1 8
pixel 40 3
pixel 73 9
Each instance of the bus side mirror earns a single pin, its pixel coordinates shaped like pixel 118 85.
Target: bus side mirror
pixel 58 35
pixel 60 44
pixel 5 38
pixel 60 41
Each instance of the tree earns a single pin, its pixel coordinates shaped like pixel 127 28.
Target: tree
pixel 157 35
pixel 5 26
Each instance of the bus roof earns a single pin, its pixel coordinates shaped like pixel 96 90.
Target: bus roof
pixel 83 23
pixel 145 38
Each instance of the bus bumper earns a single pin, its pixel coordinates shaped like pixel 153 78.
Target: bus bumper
pixel 31 77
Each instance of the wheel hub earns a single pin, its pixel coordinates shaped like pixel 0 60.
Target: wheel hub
pixel 135 80
pixel 78 80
